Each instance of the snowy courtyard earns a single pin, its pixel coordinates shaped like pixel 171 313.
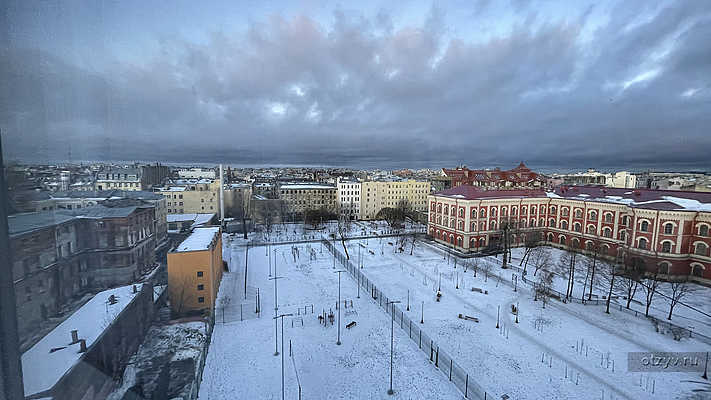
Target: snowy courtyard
pixel 241 361
pixel 578 351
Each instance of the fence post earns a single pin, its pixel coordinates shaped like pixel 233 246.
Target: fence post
pixel 437 358
pixel 420 342
pixel 431 352
pixel 410 333
pixel 450 369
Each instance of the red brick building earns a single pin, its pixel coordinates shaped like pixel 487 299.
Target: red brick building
pixel 667 230
pixel 518 178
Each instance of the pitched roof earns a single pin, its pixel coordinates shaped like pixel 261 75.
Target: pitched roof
pixel 468 192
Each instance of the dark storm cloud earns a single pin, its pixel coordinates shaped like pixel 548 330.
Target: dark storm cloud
pixel 291 90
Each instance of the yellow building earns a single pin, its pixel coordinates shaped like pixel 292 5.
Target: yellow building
pixel 192 196
pixel 195 271
pixel 376 195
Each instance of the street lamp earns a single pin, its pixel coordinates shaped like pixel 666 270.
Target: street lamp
pixel 338 342
pixel 422 320
pixel 392 330
pixel 276 307
pixel 282 349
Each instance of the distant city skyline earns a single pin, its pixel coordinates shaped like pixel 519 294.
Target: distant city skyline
pixel 484 83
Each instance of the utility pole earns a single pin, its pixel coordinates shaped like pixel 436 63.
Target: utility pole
pixel 392 341
pixel 246 259
pixel 282 349
pixel 276 308
pixel 338 342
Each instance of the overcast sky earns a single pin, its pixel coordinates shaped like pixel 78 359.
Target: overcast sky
pixel 396 83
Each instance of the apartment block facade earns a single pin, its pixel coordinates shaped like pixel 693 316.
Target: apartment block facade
pixel 349 198
pixel 195 271
pixel 376 195
pixel 667 231
pixel 308 196
pixel 60 255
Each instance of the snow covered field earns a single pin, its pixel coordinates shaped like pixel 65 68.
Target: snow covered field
pixel 241 362
pixel 567 351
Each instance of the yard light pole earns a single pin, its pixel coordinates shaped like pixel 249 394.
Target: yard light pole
pixel 276 308
pixel 439 285
pixel 246 259
pixel 282 350
pixel 392 331
pixel 408 299
pixel 338 342
pixel 422 320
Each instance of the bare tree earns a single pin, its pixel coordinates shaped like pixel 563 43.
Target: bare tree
pixel 544 286
pixel 649 285
pixel 533 241
pixel 607 271
pixel 591 263
pixel 678 290
pixel 540 259
pixel 507 229
pixel 567 265
pixel 343 229
pixel 413 241
pixel 486 267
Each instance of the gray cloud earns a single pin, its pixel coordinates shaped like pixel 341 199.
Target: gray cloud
pixel 362 91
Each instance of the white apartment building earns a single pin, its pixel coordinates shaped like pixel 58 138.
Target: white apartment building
pixel 348 197
pixel 197 173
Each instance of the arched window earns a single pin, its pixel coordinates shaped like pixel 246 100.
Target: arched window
pixel 622 235
pixel 664 268
pixel 513 210
pixel 564 224
pixel 493 212
pixel 452 223
pixel 577 227
pixel 589 246
pixel 522 224
pixel 700 249
pixel 446 210
pixel 523 210
pixel 593 215
pixel 439 208
pixel 482 226
pixel 551 222
pixel 451 238
pixel 473 213
pixel 433 207
pixel 472 243
pixel 642 244
pixel 550 237
pixel 697 270
pixel 562 239
pixel 608 217
pixel 533 223
pixel 575 243
pixel 481 242
pixel 439 220
pixel 552 210
pixel 703 230
pixel 493 225
pixel 482 213
pixel 668 228
pixel 578 213
pixel 461 226
pixel 564 211
pixel 533 209
pixel 459 241
pixel 607 232
pixel 666 247
pixel 604 249
pixel 504 211
pixel 644 226
pixel 591 229
pixel 624 220
pixel 472 226
pixel 542 222
pixel 461 213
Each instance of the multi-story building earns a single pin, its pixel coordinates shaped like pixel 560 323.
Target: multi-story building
pixel 378 194
pixel 520 177
pixel 195 270
pixel 59 255
pixel 197 173
pixel 621 179
pixel 349 198
pixel 118 178
pixel 299 198
pixel 667 232
pixel 192 196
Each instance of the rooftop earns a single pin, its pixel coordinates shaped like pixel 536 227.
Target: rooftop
pixel 307 186
pixel 27 222
pixel 200 239
pixel 90 320
pixel 468 192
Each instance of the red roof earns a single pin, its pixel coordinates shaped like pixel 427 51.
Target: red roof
pixel 468 192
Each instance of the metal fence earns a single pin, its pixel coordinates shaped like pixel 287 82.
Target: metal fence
pixel 439 357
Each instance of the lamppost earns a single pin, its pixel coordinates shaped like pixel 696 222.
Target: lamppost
pixel 282 349
pixel 338 342
pixel 422 320
pixel 246 258
pixel 392 331
pixel 276 308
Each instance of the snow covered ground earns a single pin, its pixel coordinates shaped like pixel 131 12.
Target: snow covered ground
pixel 241 362
pixel 567 351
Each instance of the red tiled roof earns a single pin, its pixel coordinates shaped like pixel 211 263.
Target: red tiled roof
pixel 468 192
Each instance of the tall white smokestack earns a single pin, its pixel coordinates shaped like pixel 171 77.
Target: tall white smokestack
pixel 222 198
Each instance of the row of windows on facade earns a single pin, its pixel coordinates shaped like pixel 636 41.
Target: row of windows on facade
pixel 302 191
pixel 700 248
pixel 592 214
pixel 122 184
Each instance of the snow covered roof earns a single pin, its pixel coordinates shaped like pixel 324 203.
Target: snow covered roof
pixel 200 239
pixel 640 198
pixel 28 222
pixel 197 219
pixel 48 366
pixel 307 186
